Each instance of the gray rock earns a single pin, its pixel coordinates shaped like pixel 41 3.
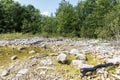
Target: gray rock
pixel 32 52
pixel 22 72
pixel 115 60
pixel 46 62
pixel 74 51
pixel 118 70
pixel 80 64
pixel 81 56
pixel 14 57
pixel 43 46
pixel 5 73
pixel 62 58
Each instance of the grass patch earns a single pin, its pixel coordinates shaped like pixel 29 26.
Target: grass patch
pixel 91 59
pixel 111 69
pixel 69 59
pixel 15 35
pixel 66 70
pixel 7 52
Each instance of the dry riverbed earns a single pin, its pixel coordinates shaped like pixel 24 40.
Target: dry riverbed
pixel 57 59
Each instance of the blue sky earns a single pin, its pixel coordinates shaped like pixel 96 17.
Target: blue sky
pixel 46 6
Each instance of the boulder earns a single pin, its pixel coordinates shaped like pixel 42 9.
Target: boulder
pixel 74 51
pixel 5 73
pixel 115 60
pixel 81 56
pixel 22 72
pixel 32 52
pixel 14 57
pixel 62 58
pixel 80 64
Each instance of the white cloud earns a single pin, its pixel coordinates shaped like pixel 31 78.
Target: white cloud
pixel 46 13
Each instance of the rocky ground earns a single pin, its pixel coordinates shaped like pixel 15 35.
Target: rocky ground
pixel 63 61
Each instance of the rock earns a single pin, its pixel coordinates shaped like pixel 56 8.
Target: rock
pixel 14 57
pixel 101 71
pixel 22 72
pixel 43 46
pixel 5 73
pixel 46 62
pixel 115 60
pixel 62 58
pixel 81 56
pixel 74 51
pixel 118 70
pixel 21 48
pixel 42 73
pixel 59 78
pixel 116 76
pixel 31 52
pixel 108 79
pixel 80 64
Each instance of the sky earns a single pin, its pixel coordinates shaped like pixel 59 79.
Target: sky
pixel 46 7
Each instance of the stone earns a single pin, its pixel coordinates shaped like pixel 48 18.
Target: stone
pixel 80 64
pixel 32 52
pixel 108 79
pixel 22 72
pixel 43 46
pixel 101 71
pixel 116 76
pixel 118 70
pixel 14 57
pixel 115 60
pixel 59 78
pixel 21 48
pixel 47 62
pixel 62 58
pixel 81 56
pixel 5 73
pixel 74 51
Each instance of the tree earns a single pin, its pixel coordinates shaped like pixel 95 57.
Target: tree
pixel 65 18
pixel 31 19
pixel 49 25
pixel 112 20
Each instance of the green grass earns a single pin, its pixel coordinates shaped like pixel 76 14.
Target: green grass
pixel 92 60
pixel 66 69
pixel 7 52
pixel 15 35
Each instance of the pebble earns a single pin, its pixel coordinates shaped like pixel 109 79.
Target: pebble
pixel 14 57
pixel 22 72
pixel 32 52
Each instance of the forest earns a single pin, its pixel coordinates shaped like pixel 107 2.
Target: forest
pixel 88 19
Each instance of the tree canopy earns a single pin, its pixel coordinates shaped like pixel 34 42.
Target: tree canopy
pixel 89 19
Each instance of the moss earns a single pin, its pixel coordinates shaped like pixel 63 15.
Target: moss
pixel 6 53
pixel 111 69
pixel 66 70
pixel 70 58
pixel 92 60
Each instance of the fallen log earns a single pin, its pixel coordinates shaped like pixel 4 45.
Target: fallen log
pixel 84 71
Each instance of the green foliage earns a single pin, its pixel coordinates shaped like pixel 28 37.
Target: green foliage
pixel 88 19
pixel 65 18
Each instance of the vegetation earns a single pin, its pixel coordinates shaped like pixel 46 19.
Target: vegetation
pixel 7 52
pixel 88 19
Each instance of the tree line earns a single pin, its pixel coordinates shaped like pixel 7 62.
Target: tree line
pixel 88 19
